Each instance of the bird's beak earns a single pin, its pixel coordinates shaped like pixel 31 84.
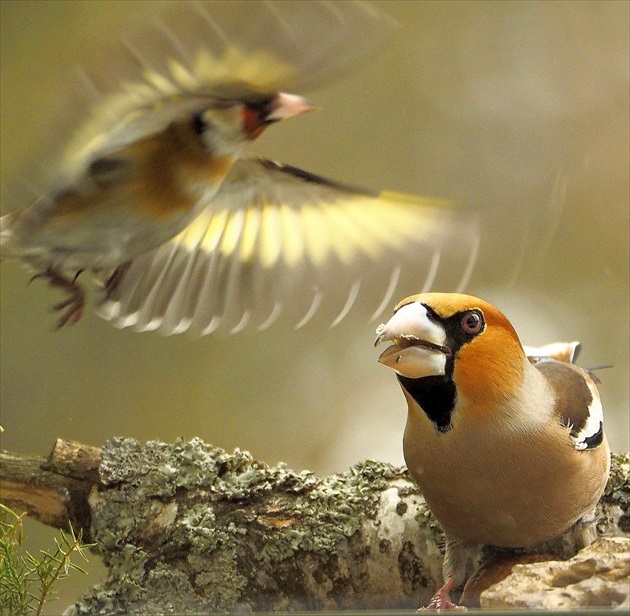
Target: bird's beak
pixel 258 115
pixel 284 106
pixel 419 347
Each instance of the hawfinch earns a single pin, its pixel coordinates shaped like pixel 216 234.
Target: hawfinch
pixel 507 451
pixel 152 193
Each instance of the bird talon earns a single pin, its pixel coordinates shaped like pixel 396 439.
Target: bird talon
pixel 441 600
pixel 442 605
pixel 70 317
pixel 74 304
pixel 75 301
pixel 36 277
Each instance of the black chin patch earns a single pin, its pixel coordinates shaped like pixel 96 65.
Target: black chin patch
pixel 436 397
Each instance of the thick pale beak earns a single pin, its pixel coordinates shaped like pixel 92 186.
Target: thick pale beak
pixel 419 347
pixel 284 106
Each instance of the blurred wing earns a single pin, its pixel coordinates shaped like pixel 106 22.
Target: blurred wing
pixel 277 242
pixel 198 54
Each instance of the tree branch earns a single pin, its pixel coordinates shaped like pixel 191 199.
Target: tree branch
pixel 187 527
pixel 53 490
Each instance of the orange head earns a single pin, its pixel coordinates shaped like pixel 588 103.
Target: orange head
pixel 448 348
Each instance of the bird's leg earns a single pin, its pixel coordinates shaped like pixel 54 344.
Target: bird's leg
pixel 115 279
pixel 75 302
pixel 441 600
pixel 584 531
pixel 454 570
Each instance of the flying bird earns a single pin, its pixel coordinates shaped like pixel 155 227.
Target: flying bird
pixel 508 449
pixel 153 193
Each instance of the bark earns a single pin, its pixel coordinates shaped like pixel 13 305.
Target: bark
pixel 53 490
pixel 188 528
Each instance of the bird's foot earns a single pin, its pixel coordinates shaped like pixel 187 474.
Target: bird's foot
pixel 111 284
pixel 72 307
pixel 441 600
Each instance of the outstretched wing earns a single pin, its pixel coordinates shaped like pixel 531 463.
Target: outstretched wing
pixel 278 242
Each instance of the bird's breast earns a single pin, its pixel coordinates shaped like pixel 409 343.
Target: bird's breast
pixel 172 181
pixel 510 490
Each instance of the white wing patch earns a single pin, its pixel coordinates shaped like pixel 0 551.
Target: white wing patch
pixel 579 407
pixel 594 422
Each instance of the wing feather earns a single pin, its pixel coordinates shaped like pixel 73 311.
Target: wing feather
pixel 278 241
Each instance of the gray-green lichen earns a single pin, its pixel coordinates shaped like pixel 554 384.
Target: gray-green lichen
pixel 192 524
pixel 617 497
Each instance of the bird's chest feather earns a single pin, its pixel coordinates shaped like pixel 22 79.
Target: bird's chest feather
pixel 174 175
pixel 132 202
pixel 166 177
pixel 499 488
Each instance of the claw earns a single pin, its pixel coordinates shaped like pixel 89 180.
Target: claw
pixel 73 314
pixel 441 600
pixel 74 304
pixel 38 275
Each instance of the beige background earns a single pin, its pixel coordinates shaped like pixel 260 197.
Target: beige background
pixel 499 105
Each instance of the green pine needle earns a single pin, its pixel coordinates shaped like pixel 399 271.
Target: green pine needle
pixel 27 582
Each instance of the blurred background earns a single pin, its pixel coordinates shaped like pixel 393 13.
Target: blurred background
pixel 517 109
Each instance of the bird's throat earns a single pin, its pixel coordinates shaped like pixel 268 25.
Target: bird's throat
pixel 436 397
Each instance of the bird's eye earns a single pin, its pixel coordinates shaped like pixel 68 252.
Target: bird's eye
pixel 199 125
pixel 472 322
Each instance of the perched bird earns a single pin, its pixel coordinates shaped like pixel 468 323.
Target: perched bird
pixel 152 194
pixel 508 452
